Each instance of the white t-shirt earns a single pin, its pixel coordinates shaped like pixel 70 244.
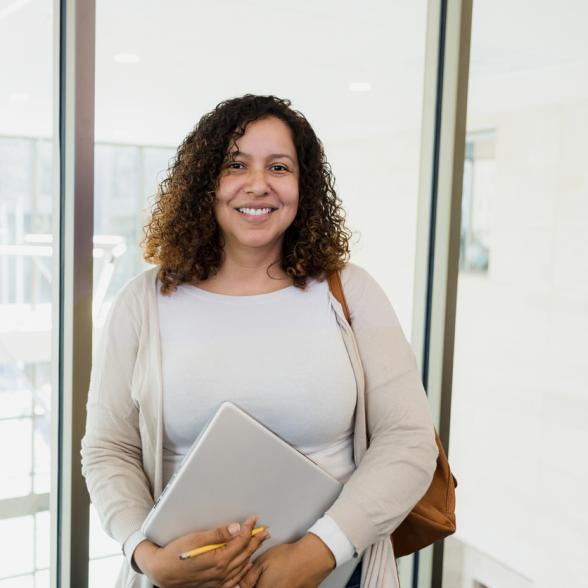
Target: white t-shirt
pixel 279 356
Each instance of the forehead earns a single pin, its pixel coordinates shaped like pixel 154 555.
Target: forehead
pixel 269 134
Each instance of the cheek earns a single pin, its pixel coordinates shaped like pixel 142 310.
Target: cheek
pixel 294 195
pixel 226 188
pixel 221 212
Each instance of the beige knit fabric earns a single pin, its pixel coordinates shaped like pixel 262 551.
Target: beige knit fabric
pixel 122 448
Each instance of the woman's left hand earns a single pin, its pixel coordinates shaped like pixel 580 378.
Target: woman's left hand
pixel 303 564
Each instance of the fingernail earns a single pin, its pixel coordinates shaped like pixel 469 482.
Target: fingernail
pixel 234 529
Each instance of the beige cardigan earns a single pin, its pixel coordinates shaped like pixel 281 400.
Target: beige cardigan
pixel 122 448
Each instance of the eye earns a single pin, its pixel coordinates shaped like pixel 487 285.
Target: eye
pixel 278 167
pixel 235 165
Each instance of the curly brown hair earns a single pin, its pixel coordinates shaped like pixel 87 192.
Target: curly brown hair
pixel 183 236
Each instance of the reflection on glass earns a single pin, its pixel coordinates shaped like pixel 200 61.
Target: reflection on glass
pixel 26 183
pixel 125 177
pixel 478 196
pixel 520 402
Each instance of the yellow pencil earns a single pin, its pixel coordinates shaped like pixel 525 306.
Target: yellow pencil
pixel 207 548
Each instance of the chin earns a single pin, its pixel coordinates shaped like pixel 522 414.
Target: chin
pixel 257 242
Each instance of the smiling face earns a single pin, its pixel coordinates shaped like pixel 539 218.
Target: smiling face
pixel 257 194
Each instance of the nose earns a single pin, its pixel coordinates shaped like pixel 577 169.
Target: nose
pixel 257 183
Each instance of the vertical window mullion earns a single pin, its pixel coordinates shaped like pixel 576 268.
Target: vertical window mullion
pixel 72 255
pixel 438 232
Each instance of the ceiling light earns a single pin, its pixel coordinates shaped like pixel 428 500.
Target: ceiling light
pixel 127 58
pixel 360 86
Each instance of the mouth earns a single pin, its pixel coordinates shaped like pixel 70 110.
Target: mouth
pixel 255 213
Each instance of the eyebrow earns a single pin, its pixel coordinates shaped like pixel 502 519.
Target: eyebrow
pixel 236 153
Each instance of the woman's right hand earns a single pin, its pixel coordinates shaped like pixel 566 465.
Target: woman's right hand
pixel 221 568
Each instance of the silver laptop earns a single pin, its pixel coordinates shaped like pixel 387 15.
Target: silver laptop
pixel 236 468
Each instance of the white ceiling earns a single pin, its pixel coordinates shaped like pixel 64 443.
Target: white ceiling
pixel 195 53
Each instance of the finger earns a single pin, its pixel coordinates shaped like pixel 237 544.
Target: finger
pixel 241 541
pixel 217 563
pixel 254 544
pixel 209 566
pixel 234 580
pixel 201 538
pixel 218 535
pixel 251 577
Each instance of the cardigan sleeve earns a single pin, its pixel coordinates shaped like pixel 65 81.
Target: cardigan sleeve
pixel 400 461
pixel 111 448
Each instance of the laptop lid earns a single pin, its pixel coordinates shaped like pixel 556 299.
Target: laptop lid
pixel 235 468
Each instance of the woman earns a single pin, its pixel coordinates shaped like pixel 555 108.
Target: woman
pixel 246 228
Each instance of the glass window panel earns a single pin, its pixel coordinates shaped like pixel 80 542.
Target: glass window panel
pixel 26 200
pixel 519 403
pixel 16 464
pixel 18 553
pixel 15 402
pixel 42 579
pixel 103 572
pixel 17 163
pixel 42 471
pixel 155 164
pixel 19 582
pixel 42 531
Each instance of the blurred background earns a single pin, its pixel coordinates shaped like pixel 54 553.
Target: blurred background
pixel 355 69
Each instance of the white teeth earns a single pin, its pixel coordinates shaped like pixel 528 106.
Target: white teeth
pixel 255 211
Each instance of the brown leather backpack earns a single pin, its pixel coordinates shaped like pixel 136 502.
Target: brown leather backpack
pixel 433 517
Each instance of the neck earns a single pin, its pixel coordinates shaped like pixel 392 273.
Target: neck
pixel 246 273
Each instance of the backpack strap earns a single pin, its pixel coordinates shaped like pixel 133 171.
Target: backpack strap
pixel 336 288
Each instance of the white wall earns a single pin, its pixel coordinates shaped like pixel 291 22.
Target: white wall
pixel 520 399
pixel 377 181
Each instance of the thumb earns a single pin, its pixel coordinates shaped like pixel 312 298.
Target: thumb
pixel 218 535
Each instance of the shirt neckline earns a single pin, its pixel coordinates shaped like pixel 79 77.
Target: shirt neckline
pixel 201 293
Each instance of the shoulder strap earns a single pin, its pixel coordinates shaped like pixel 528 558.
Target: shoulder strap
pixel 336 288
pixel 433 517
